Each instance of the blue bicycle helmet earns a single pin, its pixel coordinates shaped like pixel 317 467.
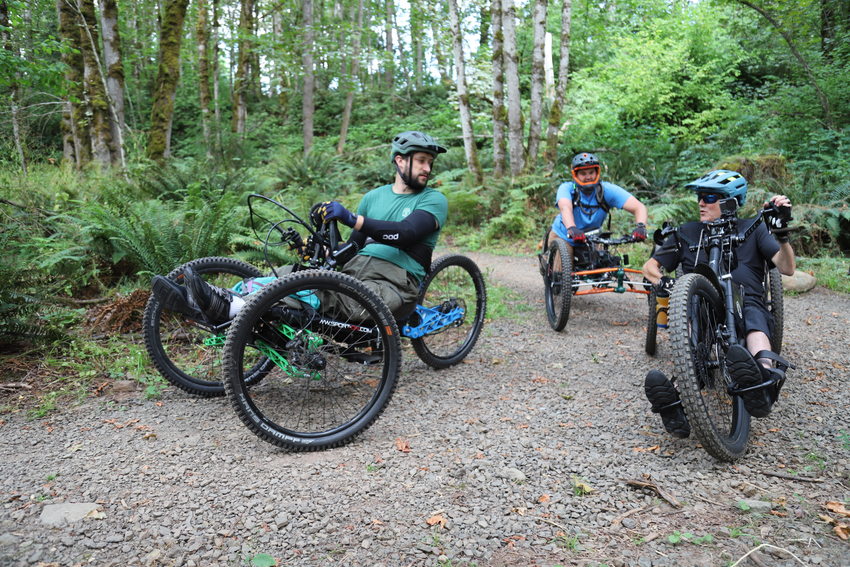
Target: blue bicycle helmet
pixel 724 182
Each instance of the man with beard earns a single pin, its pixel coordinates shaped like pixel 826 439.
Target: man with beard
pixel 394 231
pixel 585 201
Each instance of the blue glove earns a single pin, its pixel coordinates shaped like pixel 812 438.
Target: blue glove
pixel 333 210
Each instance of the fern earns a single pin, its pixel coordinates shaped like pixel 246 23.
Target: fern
pixel 676 210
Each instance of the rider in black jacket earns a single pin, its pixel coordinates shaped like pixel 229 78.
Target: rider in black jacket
pixel 759 252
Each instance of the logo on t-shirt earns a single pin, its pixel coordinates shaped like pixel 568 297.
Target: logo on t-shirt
pixel 406 211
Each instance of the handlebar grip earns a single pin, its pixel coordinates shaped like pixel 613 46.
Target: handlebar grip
pixel 333 234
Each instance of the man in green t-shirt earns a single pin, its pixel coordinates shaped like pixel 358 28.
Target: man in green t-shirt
pixel 395 230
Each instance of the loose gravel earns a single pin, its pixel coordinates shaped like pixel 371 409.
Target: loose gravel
pixel 522 455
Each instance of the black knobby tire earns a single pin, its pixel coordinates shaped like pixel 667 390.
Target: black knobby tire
pixel 558 283
pixel 456 281
pixel 332 379
pixel 717 418
pixel 651 324
pixel 176 344
pixel 776 306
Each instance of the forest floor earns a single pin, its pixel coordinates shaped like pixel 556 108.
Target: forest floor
pixel 539 449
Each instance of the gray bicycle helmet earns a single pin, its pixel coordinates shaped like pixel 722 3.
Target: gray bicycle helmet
pixel 585 160
pixel 413 141
pixel 724 182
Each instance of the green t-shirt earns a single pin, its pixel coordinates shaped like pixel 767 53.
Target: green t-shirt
pixel 383 204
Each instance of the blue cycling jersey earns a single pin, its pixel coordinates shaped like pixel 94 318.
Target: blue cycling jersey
pixel 588 214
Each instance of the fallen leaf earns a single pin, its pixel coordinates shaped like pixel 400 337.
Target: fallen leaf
pixel 619 323
pixel 842 531
pixel 544 498
pixel 149 435
pixel 778 513
pixel 654 448
pixel 437 519
pixel 402 445
pixel 96 515
pixel 837 508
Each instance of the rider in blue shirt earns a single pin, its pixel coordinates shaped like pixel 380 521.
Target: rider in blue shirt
pixel 585 201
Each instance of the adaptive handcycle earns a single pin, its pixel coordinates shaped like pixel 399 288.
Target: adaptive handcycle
pixel 313 357
pixel 705 313
pixel 584 270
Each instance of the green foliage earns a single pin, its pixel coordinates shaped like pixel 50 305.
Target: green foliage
pixel 154 235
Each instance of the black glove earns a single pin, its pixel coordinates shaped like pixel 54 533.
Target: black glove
pixel 576 234
pixel 333 210
pixel 777 220
pixel 639 233
pixel 664 286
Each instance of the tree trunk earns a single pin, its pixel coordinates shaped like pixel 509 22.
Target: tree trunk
pixel 463 95
pixel 205 97
pixel 824 101
pixel 352 80
pixel 499 112
pixel 442 64
pixel 242 81
pixel 77 150
pixel 551 154
pixel 95 89
pixel 162 108
pixel 114 79
pixel 418 46
pixel 515 148
pixel 5 36
pixel 537 82
pixel 389 65
pixel 308 106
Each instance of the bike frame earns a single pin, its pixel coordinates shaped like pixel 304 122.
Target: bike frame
pixel 617 277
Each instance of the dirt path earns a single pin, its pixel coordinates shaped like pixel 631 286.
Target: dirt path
pixel 526 454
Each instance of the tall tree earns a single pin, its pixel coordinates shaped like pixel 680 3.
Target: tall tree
pixel 242 81
pixel 77 138
pixel 551 153
pixel 351 80
pixel 308 105
pixel 114 78
pixel 463 95
pixel 162 108
pixel 5 37
pixel 389 55
pixel 95 87
pixel 205 97
pixel 499 111
pixel 537 82
pixel 515 147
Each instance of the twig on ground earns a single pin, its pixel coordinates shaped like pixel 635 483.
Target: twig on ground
pixel 15 386
pixel 621 517
pixel 753 550
pixel 655 488
pixel 553 523
pixel 791 476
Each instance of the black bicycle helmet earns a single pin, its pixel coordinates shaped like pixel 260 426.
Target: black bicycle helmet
pixel 724 182
pixel 413 141
pixel 585 160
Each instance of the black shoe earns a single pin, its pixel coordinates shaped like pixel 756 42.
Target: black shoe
pixel 213 302
pixel 665 400
pixel 173 296
pixel 747 373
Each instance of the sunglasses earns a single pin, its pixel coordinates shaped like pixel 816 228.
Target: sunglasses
pixel 709 198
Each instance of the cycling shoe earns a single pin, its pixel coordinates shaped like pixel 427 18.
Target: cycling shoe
pixel 747 373
pixel 665 400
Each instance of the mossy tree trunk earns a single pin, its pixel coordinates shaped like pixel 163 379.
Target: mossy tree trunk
pixel 537 82
pixel 76 131
pixel 515 147
pixel 551 153
pixel 352 80
pixel 205 97
pixel 162 109
pixel 95 89
pixel 242 79
pixel 308 105
pixel 499 112
pixel 114 79
pixel 463 96
pixel 5 37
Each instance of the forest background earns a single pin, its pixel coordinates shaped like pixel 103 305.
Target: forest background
pixel 132 131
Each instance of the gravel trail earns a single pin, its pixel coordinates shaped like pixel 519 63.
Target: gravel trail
pixel 519 456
